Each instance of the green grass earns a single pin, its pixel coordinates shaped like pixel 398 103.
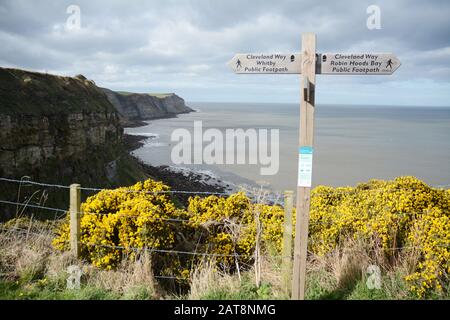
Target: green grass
pixel 247 291
pixel 156 95
pixel 160 95
pixel 28 92
pixel 45 289
pixel 322 286
pixel 37 291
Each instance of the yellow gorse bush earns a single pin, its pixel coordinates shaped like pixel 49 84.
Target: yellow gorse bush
pixel 126 217
pixel 229 225
pixel 392 216
pixel 399 215
pixel 116 222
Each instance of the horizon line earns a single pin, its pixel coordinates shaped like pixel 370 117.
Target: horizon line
pixel 324 104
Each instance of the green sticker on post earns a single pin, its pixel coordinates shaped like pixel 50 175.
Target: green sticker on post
pixel 305 166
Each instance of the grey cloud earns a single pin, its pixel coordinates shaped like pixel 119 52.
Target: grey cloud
pixel 186 44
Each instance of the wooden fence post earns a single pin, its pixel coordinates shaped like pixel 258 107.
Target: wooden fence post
pixel 286 267
pixel 258 249
pixel 75 208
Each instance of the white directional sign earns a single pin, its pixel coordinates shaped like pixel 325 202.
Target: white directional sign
pixel 325 63
pixel 278 63
pixel 358 63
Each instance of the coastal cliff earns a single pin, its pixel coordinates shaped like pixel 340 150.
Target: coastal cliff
pixel 57 122
pixel 136 107
pixel 51 119
pixel 59 130
pixel 65 130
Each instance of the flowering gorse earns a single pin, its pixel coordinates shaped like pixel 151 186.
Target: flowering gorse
pixel 116 222
pixel 126 217
pixel 394 216
pixel 391 216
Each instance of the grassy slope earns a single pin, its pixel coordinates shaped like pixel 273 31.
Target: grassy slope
pixel 157 95
pixel 33 269
pixel 36 291
pixel 24 92
pixel 394 288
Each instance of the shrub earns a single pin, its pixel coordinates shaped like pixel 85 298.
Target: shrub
pixel 229 226
pixel 131 217
pixel 115 222
pixel 393 217
pixel 399 215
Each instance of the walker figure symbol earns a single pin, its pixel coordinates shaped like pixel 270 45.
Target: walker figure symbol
pixel 389 64
pixel 238 64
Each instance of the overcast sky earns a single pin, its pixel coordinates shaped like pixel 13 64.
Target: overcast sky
pixel 184 46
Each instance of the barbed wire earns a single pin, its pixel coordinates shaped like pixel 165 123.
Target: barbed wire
pixel 23 231
pixel 351 250
pixel 35 183
pixel 291 257
pixel 33 206
pixel 160 191
pixel 154 218
pixel 170 277
pixel 26 231
pixel 107 189
pixel 167 251
pixel 319 223
pixel 189 192
pixel 115 214
pixel 334 191
pixel 261 195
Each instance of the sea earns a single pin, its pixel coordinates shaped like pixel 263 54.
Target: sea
pixel 352 143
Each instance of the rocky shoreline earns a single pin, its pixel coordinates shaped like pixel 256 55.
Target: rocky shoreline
pixel 177 180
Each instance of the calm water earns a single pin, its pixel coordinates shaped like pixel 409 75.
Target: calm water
pixel 352 143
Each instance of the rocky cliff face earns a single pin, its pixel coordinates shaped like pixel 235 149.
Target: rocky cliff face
pixel 137 106
pixel 66 130
pixel 51 125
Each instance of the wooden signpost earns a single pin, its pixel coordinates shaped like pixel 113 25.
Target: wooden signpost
pixel 309 63
pixel 248 63
pixel 357 64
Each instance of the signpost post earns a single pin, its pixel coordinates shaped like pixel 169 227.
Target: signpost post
pixel 304 164
pixel 308 63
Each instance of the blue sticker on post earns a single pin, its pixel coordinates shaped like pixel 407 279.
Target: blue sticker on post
pixel 305 166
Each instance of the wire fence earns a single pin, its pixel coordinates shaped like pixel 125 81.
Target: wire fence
pixel 21 204
pixel 127 215
pixel 167 219
pixel 29 182
pixel 26 181
pixel 265 193
pixel 48 235
pixel 64 212
pixel 262 194
pixel 257 192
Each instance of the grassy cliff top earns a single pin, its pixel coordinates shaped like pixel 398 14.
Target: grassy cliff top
pixel 156 95
pixel 28 92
